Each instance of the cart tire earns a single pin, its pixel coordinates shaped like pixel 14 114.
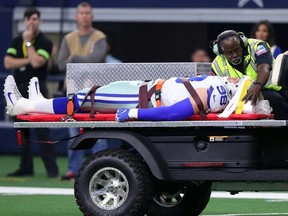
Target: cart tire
pixel 174 199
pixel 114 182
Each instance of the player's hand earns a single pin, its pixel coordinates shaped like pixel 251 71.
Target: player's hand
pixel 122 115
pixel 252 94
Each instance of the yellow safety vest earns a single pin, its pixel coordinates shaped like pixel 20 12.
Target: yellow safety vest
pixel 222 67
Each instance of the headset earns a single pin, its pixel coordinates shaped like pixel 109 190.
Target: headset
pixel 215 44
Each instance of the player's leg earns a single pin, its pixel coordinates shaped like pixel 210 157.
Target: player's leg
pixel 18 105
pixel 111 97
pixel 108 99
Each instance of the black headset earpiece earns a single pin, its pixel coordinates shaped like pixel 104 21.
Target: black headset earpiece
pixel 243 38
pixel 215 44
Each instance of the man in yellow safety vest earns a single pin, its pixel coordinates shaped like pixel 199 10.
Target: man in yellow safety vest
pixel 238 55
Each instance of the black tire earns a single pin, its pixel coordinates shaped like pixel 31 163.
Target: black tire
pixel 175 199
pixel 117 175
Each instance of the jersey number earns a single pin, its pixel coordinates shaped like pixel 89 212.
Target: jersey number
pixel 223 93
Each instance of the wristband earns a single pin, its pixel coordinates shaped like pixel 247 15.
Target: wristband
pixel 259 83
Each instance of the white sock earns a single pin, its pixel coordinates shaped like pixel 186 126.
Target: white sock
pixel 44 106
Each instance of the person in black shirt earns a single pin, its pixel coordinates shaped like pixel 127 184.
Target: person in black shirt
pixel 27 57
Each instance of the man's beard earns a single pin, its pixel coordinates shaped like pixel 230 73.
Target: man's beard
pixel 236 61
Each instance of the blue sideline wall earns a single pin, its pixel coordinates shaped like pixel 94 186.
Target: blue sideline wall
pixel 8 143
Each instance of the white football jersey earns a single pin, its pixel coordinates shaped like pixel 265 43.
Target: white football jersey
pixel 173 91
pixel 125 94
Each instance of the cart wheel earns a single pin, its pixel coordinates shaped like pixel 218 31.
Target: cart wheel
pixel 172 199
pixel 114 182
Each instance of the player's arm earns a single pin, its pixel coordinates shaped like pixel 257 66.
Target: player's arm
pixel 177 111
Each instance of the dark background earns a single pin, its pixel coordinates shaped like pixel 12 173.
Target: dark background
pixel 168 42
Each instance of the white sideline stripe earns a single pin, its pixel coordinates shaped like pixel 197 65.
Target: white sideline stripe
pixel 36 190
pixel 68 191
pixel 251 195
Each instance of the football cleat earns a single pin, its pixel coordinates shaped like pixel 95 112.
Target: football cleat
pixel 34 90
pixel 11 93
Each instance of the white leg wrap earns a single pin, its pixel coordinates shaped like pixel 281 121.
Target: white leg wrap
pixel 22 106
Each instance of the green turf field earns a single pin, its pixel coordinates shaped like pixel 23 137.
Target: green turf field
pixel 10 163
pixel 247 207
pixel 38 205
pixel 47 205
pixel 30 205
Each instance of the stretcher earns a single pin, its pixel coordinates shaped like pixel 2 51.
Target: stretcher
pixel 81 76
pixel 79 120
pixel 178 160
pixel 79 117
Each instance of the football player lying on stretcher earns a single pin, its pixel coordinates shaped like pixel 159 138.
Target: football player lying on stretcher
pixel 211 94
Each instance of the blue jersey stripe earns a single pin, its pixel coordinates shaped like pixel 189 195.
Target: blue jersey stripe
pixel 110 102
pixel 111 95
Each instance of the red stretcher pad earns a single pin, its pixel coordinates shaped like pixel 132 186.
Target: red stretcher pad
pixel 111 117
